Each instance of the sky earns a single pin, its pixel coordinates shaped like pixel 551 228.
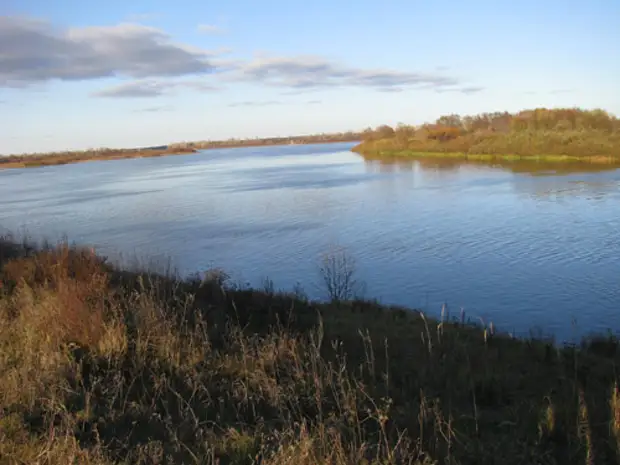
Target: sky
pixel 76 74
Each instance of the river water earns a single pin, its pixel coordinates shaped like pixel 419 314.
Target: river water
pixel 532 250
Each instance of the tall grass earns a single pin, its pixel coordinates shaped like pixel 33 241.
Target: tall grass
pixel 103 366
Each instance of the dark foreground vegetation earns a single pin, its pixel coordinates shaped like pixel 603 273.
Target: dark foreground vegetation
pixel 100 366
pixel 64 158
pixel 556 135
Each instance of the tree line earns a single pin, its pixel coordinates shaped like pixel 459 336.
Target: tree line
pixel 564 131
pixel 348 136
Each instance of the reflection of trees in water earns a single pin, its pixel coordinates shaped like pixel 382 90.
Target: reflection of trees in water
pixel 552 187
pixel 428 167
pixel 391 165
pixel 549 180
pixel 395 164
pixel 560 169
pixel 539 179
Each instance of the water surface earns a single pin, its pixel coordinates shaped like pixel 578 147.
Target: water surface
pixel 533 247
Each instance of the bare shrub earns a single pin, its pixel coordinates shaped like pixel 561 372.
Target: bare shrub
pixel 338 273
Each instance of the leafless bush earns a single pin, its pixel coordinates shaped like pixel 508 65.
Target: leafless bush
pixel 338 273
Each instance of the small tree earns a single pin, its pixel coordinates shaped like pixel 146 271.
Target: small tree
pixel 338 273
pixel 452 121
pixel 404 132
pixel 368 134
pixel 384 132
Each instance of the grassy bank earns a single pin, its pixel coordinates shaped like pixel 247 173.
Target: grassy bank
pixel 559 136
pixel 101 366
pixel 63 158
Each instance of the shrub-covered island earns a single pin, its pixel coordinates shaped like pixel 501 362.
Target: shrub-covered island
pixel 561 135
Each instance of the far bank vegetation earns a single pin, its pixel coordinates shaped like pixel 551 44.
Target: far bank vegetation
pixel 32 160
pixel 545 133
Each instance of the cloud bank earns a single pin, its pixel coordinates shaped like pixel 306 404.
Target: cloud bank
pixel 34 51
pixel 313 73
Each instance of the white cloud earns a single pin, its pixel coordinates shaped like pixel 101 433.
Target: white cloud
pixel 312 72
pixel 134 89
pixel 33 51
pixel 152 88
pixel 156 109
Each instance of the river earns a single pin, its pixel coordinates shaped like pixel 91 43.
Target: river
pixel 535 252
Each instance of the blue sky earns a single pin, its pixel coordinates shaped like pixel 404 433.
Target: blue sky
pixel 76 74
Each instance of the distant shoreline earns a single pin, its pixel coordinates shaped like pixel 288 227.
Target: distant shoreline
pixel 37 161
pixel 65 158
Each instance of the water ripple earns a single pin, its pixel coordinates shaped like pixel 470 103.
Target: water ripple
pixel 518 249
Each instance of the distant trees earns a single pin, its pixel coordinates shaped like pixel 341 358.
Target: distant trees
pixel 348 136
pixel 563 131
pixel 384 132
pixel 380 132
pixel 442 133
pixel 37 159
pixel 404 132
pixel 565 120
pixel 452 121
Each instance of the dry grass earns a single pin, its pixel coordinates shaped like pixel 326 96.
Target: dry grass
pixel 100 366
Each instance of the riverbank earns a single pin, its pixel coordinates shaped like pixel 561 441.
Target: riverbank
pixel 102 366
pixel 272 141
pixel 64 158
pixel 543 135
pixel 368 150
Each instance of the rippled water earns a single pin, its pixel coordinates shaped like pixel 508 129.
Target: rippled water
pixel 526 250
